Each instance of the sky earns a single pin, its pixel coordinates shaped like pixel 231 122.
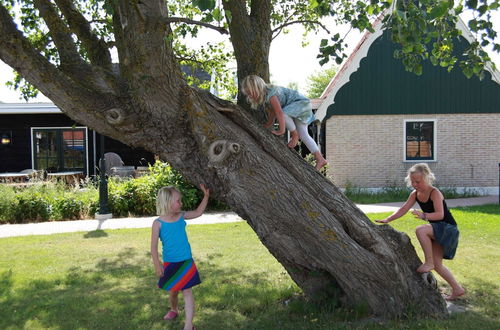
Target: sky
pixel 290 61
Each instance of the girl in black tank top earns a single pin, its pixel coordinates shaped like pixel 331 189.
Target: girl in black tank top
pixel 439 237
pixel 428 207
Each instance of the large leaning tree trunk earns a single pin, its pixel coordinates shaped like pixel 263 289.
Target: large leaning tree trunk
pixel 327 245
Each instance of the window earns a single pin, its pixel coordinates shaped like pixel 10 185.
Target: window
pixel 59 149
pixel 419 140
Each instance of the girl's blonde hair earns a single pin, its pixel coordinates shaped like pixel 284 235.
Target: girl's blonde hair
pixel 164 199
pixel 423 169
pixel 253 84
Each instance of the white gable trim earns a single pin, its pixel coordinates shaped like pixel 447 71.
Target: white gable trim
pixel 349 67
pixel 495 75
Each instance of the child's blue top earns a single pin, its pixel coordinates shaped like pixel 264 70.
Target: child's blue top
pixel 293 103
pixel 174 240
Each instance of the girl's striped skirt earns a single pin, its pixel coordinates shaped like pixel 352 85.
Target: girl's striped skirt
pixel 179 276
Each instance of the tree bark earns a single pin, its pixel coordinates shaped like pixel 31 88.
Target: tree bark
pixel 251 37
pixel 327 245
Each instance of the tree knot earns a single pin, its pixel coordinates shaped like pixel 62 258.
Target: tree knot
pixel 115 116
pixel 221 149
pixel 429 279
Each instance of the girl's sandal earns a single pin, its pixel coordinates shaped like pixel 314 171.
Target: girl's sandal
pixel 171 315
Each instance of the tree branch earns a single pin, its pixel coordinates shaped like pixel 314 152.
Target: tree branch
pixel 281 27
pixel 71 60
pixel 260 9
pixel 146 55
pixel 219 29
pixel 18 52
pixel 189 59
pixel 96 47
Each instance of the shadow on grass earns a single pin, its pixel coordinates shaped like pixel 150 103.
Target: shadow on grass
pixel 95 234
pixel 121 293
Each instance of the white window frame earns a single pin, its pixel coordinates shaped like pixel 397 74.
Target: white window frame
pixel 434 141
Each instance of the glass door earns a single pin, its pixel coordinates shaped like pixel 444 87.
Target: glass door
pixel 61 149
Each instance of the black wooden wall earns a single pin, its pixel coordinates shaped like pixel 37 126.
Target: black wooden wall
pixel 18 155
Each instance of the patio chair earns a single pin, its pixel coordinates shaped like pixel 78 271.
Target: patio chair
pixel 112 160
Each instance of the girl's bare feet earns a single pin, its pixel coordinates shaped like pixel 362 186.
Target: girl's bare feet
pixel 320 163
pixel 455 294
pixel 425 268
pixel 294 139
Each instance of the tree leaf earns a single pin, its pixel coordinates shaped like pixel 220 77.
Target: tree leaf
pixel 229 16
pixel 440 10
pixel 204 4
pixel 472 4
pixel 217 14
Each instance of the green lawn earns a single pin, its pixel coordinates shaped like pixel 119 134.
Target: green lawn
pixel 105 280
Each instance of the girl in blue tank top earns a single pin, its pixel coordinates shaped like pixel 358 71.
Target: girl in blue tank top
pixel 178 271
pixel 438 238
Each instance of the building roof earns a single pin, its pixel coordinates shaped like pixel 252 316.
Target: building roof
pixel 28 108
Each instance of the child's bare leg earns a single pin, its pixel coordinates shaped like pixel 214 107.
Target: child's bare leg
pixel 294 139
pixel 456 289
pixel 425 235
pixel 189 307
pixel 173 298
pixel 320 160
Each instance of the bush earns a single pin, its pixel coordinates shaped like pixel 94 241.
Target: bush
pixel 29 207
pixel 138 196
pixel 47 201
pixel 7 198
pixel 127 197
pixel 67 208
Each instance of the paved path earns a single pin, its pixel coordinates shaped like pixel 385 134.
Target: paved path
pixel 387 207
pixel 46 228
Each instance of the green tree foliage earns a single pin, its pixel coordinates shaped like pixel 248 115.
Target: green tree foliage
pixel 424 29
pixel 186 17
pixel 318 81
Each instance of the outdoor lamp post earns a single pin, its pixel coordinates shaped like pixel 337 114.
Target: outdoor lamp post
pixel 103 213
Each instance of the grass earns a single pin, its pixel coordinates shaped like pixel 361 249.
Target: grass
pixel 105 280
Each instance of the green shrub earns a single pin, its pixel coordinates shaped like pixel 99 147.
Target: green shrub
pixel 68 208
pixel 119 197
pixel 127 197
pixel 47 201
pixel 138 196
pixel 165 175
pixel 7 198
pixel 31 207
